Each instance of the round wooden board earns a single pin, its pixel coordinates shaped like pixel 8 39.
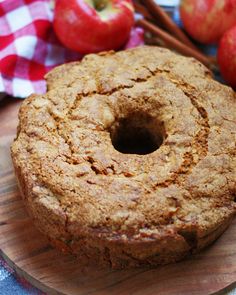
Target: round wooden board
pixel 29 253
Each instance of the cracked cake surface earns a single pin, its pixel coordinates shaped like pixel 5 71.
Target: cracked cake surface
pixel 119 208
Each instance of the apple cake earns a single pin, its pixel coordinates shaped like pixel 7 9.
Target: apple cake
pixel 129 158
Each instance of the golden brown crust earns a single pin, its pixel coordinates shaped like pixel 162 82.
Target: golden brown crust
pixel 129 209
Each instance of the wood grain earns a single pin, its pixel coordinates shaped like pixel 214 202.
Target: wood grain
pixel 29 253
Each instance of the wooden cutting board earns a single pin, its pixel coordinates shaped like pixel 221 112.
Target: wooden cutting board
pixel 28 252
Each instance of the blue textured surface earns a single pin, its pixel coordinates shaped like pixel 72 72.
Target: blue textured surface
pixel 10 284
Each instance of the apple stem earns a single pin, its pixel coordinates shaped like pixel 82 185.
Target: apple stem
pixel 99 5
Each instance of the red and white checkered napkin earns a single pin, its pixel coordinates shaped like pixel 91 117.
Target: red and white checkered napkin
pixel 29 47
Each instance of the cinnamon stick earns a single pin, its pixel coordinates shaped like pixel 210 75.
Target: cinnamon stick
pixel 174 43
pixel 142 10
pixel 168 23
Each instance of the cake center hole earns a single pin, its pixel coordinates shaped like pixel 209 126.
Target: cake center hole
pixel 137 134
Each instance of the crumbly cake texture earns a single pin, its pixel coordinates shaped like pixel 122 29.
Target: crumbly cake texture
pixel 121 209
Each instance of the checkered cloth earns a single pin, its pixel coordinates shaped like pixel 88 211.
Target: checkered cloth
pixel 29 47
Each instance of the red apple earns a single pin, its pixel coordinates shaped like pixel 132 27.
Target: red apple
pixel 93 25
pixel 207 20
pixel 227 56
